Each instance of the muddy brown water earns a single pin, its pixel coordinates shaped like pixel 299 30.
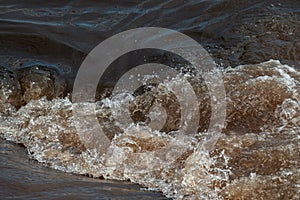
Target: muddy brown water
pixel 45 43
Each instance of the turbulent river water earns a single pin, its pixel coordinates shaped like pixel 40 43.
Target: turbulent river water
pixel 256 47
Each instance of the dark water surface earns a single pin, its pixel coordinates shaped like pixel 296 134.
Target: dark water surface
pixel 42 45
pixel 22 178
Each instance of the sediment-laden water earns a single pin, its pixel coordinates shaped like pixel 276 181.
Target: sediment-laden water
pixel 256 47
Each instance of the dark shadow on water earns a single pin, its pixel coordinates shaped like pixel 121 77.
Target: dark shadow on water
pixel 21 178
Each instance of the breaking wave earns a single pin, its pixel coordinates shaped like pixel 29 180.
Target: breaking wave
pixel 256 156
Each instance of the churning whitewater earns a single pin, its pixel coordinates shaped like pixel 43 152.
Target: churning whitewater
pixel 256 154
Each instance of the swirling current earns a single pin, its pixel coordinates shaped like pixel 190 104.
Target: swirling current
pixel 256 48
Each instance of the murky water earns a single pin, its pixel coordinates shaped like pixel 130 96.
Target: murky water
pixel 256 155
pixel 22 178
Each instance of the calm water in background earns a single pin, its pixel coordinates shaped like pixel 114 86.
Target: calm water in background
pixel 61 33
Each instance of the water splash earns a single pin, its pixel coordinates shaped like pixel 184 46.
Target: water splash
pixel 256 156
